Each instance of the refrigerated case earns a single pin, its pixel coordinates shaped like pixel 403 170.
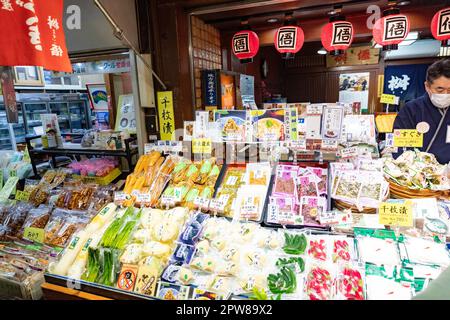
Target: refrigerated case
pixel 74 114
pixel 18 129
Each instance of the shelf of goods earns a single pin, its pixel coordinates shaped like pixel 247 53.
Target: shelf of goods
pixel 202 230
pixel 128 153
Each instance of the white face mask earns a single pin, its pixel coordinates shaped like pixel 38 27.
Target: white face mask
pixel 441 101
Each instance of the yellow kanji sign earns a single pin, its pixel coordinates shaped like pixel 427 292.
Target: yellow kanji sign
pixel 396 214
pixel 166 115
pixel 200 146
pixel 408 138
pixel 388 99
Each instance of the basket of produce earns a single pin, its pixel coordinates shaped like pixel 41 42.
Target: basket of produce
pixel 417 174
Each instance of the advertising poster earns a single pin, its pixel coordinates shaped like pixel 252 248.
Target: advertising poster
pixel 126 115
pixel 228 91
pixel 354 88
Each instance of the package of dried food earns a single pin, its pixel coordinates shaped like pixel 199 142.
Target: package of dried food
pixel 285 180
pixel 4 209
pixel 179 172
pixel 311 209
pixel 40 194
pixel 30 185
pixel 192 172
pixel 16 217
pixel 307 186
pixel 49 176
pixel 205 169
pixel 54 224
pixel 282 210
pixel 102 197
pixel 250 202
pixel 258 174
pixel 158 187
pixel 37 218
pixel 58 179
pixel 72 223
pixel 213 175
pixel 224 202
pixel 64 198
pixel 169 165
pixel 81 198
pixel 193 193
pixel 5 233
pixel 322 174
pixel 233 178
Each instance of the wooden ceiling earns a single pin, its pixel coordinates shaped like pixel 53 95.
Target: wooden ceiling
pixel 226 15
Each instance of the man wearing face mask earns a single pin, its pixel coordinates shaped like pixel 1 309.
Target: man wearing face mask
pixel 430 114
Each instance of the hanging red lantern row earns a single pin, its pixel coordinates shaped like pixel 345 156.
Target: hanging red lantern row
pixel 337 35
pixel 245 45
pixel 391 30
pixel 440 27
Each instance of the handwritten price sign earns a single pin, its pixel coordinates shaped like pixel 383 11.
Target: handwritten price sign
pixel 396 214
pixel 34 234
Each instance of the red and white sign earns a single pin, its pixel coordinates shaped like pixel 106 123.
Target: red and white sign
pixel 440 25
pixel 32 34
pixel 391 30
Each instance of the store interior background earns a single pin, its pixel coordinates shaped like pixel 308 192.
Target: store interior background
pixel 181 38
pixel 305 79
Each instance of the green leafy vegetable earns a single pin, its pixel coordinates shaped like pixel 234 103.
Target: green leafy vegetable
pixel 296 263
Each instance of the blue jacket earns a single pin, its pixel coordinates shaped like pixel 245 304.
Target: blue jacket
pixel 422 110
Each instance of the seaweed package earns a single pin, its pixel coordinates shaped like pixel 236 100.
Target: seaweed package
pixel 205 169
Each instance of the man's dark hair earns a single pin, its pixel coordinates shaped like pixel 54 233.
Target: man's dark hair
pixel 438 69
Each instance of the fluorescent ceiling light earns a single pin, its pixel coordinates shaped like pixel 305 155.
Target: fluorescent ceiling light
pixel 272 20
pixel 409 40
pixel 322 51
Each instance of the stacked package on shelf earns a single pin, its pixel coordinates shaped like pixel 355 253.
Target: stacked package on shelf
pixel 299 196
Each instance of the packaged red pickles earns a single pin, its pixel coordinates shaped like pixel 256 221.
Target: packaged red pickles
pixel 349 284
pixel 285 180
pixel 320 282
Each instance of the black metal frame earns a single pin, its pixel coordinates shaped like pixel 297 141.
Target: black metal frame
pixel 128 153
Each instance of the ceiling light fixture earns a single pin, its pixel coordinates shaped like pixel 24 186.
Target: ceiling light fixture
pixel 272 20
pixel 322 51
pixel 403 3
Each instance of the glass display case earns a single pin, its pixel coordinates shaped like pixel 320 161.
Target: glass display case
pixel 33 111
pixel 61 109
pixel 6 142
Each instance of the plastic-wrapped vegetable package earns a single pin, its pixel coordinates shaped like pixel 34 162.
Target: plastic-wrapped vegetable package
pixel 350 284
pixel 378 251
pixel 320 281
pixel 428 252
pixel 37 218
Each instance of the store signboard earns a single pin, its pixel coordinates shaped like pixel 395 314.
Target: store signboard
pixel 166 114
pixel 355 56
pixel 9 94
pixel 32 34
pixel 396 214
pixel 408 138
pixel 210 88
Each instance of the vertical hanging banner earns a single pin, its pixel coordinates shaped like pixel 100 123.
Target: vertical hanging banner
pixel 9 94
pixel 166 115
pixel 32 34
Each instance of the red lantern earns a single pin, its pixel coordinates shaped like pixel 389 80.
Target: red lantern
pixel 289 40
pixel 390 30
pixel 245 45
pixel 337 36
pixel 440 27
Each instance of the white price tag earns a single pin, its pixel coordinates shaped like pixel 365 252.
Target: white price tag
pixel 120 197
pixel 168 200
pixel 149 147
pixel 219 203
pixel 200 202
pixel 272 214
pixel 347 153
pixel 143 198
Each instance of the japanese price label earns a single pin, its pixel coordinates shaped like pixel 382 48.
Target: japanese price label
pixel 12 173
pixel 168 200
pixel 120 196
pixel 389 99
pixel 22 196
pixel 396 214
pixel 34 234
pixel 200 146
pixel 273 213
pixel 347 153
pixel 149 147
pixel 408 138
pixel 249 209
pixel 200 202
pixel 143 198
pixel 219 203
